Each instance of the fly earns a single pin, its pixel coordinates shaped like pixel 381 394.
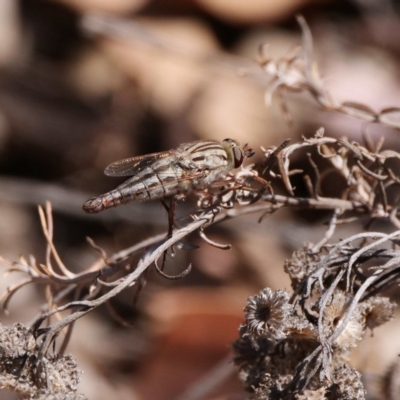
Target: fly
pixel 171 174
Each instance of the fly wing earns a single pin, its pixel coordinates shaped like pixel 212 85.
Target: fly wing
pixel 131 166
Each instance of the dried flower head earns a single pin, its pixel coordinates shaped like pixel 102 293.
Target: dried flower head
pixel 267 314
pixel 335 312
pixel 377 311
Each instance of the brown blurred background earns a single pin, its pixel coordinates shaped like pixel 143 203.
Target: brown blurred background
pixel 84 83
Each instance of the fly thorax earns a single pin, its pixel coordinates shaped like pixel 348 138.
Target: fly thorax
pixel 216 174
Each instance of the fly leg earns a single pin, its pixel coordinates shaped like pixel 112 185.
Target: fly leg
pixel 171 222
pixel 171 214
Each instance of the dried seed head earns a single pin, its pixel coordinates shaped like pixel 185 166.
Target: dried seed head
pixel 267 314
pixel 377 311
pixel 334 314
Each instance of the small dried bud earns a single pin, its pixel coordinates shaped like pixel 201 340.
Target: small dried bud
pixel 301 264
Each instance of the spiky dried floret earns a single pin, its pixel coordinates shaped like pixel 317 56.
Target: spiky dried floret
pixel 267 314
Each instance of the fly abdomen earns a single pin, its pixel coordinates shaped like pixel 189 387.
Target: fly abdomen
pixel 100 203
pixel 146 186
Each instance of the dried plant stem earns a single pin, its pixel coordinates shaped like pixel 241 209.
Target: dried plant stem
pixel 49 333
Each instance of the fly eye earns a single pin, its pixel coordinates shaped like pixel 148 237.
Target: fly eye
pixel 238 156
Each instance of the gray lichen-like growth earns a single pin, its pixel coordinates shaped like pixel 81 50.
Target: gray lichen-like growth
pixel 18 355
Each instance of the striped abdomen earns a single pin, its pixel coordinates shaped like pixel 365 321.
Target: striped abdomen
pixel 142 187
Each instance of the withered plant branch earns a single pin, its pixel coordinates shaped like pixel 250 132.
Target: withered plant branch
pixel 389 276
pixel 333 263
pixel 329 233
pixel 49 333
pixel 221 246
pixel 100 250
pixel 272 155
pixel 47 226
pixel 338 258
pixel 330 259
pixel 299 73
pixel 7 295
pixel 323 203
pixel 364 249
pixel 172 277
pixel 68 285
pixel 317 185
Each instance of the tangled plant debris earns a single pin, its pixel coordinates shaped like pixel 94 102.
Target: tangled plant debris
pixel 300 342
